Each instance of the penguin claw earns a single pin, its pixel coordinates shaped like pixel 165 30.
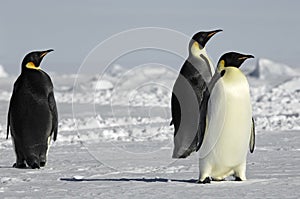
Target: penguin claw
pixel 205 181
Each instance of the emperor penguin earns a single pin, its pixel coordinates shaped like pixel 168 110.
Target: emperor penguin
pixel 228 127
pixel 32 115
pixel 187 94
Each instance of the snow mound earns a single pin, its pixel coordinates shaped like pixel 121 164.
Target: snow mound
pixel 278 109
pixel 147 85
pixel 103 85
pixel 116 70
pixel 266 69
pixel 3 73
pixel 95 129
pixel 97 84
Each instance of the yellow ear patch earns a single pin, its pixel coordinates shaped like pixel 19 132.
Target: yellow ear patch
pixel 195 49
pixel 221 65
pixel 31 65
pixel 196 45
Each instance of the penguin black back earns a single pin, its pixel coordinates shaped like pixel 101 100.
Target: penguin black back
pixel 32 115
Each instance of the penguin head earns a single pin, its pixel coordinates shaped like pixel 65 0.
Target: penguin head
pixel 33 59
pixel 232 59
pixel 200 39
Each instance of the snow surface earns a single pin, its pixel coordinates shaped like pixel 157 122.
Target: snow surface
pixel 115 141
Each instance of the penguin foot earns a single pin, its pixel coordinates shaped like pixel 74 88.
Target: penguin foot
pixel 19 165
pixel 205 181
pixel 42 164
pixel 35 166
pixel 238 179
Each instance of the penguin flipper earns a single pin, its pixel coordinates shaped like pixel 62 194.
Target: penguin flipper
pixel 203 122
pixel 53 109
pixel 252 137
pixel 176 113
pixel 15 88
pixel 204 106
pixel 8 123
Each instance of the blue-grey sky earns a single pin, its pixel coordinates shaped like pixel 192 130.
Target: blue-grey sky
pixel 267 28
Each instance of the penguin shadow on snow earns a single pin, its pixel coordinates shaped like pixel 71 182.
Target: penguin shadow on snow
pixel 12 167
pixel 148 180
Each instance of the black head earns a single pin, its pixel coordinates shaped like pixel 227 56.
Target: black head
pixel 203 37
pixel 33 59
pixel 232 59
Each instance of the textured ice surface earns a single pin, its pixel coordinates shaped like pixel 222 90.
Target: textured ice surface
pixel 119 144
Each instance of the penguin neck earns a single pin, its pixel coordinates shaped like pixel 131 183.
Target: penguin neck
pixel 30 66
pixel 234 75
pixel 30 70
pixel 200 55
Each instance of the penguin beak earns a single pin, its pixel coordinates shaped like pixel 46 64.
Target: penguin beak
pixel 45 53
pixel 244 57
pixel 212 33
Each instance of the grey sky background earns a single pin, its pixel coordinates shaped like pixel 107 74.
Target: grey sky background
pixel 264 28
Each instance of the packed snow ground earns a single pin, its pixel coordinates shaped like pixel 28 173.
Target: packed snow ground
pixel 115 140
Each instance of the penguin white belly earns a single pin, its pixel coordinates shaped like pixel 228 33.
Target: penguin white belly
pixel 226 140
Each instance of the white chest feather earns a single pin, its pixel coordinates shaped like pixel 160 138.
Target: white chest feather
pixel 197 53
pixel 226 140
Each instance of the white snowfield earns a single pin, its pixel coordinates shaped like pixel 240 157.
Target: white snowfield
pixel 115 141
